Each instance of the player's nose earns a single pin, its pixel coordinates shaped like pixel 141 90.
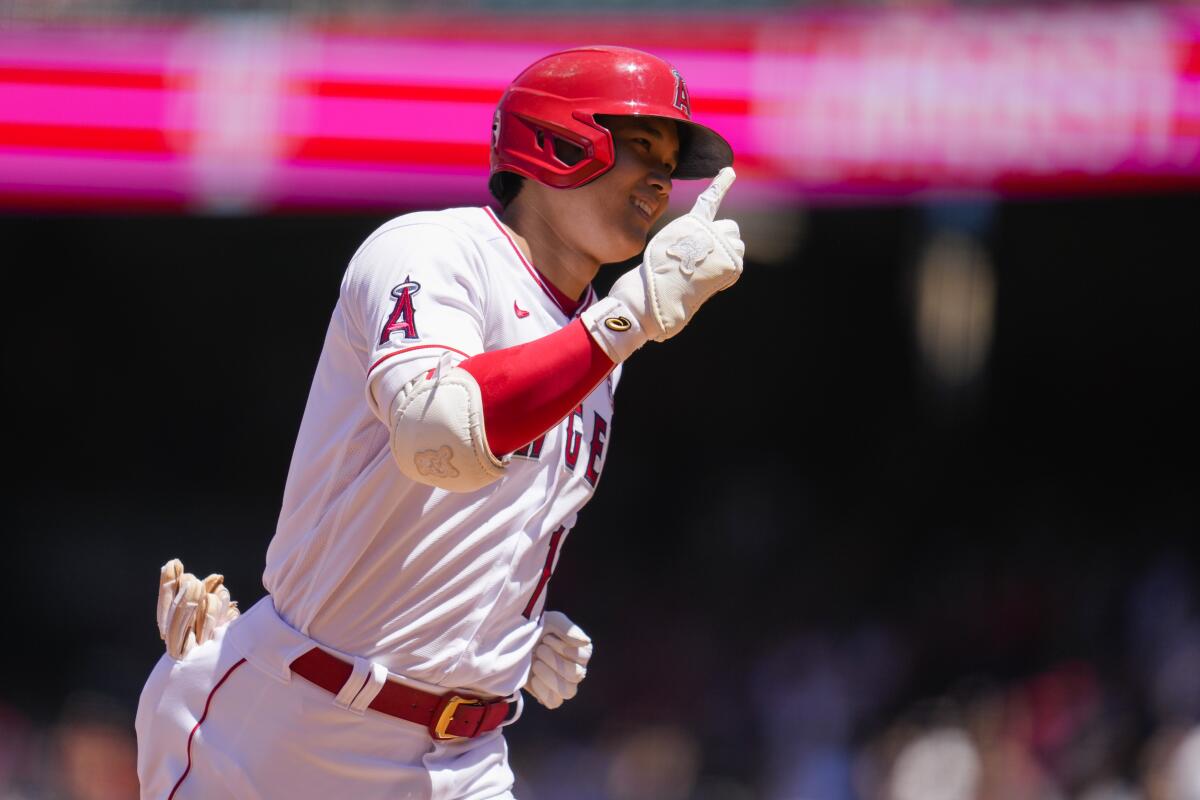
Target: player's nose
pixel 660 180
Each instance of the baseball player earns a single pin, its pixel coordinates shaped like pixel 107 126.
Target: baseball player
pixel 459 419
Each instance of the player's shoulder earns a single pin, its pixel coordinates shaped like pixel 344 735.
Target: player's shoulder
pixel 429 247
pixel 462 229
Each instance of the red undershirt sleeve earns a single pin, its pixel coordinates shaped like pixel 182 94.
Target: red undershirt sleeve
pixel 529 388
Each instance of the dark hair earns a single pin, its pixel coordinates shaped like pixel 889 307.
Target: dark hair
pixel 505 186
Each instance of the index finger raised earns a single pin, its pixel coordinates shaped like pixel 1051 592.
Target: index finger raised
pixel 710 199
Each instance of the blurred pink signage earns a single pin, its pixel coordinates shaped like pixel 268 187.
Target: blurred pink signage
pixel 244 116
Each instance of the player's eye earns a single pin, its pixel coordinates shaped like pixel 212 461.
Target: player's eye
pixel 644 142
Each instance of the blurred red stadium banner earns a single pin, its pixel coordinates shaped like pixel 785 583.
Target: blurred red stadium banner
pixel 237 115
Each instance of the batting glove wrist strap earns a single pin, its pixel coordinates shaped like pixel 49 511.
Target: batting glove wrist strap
pixel 616 327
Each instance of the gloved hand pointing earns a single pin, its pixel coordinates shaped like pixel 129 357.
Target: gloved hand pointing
pixel 687 262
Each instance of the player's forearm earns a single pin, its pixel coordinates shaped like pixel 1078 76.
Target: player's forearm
pixel 529 388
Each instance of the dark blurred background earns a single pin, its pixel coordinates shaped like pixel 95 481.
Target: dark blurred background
pixel 909 514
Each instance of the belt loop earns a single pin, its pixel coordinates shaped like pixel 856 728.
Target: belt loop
pixel 375 680
pixel 353 684
pixel 520 701
pixel 291 656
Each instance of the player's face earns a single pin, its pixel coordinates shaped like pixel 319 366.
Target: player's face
pixel 611 217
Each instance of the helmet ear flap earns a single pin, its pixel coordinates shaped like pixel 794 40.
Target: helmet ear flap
pixel 504 186
pixel 568 153
pixel 559 154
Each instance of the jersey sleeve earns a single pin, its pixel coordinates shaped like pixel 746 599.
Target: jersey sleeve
pixel 414 295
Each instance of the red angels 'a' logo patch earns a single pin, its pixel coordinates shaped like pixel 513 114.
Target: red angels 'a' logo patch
pixel 681 101
pixel 403 316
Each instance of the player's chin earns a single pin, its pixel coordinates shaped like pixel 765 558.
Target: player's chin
pixel 627 250
pixel 631 240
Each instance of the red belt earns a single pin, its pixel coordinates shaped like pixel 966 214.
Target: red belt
pixel 447 716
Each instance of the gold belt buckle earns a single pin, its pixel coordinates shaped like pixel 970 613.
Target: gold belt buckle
pixel 439 730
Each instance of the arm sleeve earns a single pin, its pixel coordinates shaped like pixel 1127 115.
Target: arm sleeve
pixel 529 388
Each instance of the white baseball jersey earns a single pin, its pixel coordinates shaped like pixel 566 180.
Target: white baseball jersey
pixel 445 588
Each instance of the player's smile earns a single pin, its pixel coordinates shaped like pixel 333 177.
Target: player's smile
pixel 644 207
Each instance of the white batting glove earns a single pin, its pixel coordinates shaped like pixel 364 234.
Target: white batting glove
pixel 686 263
pixel 190 610
pixel 559 660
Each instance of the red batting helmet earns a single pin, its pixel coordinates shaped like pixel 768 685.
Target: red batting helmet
pixel 545 127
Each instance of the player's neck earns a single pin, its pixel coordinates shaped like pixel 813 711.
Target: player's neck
pixel 570 270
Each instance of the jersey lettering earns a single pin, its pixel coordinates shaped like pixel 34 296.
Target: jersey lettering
pixel 533 450
pixel 547 571
pixel 574 438
pixel 596 449
pixel 403 316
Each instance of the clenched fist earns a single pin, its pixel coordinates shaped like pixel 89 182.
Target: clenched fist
pixel 559 660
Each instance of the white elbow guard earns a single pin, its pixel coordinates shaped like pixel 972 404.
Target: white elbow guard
pixel 437 432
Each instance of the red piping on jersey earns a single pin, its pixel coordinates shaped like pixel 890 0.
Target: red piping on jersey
pixel 200 722
pixel 410 349
pixel 533 273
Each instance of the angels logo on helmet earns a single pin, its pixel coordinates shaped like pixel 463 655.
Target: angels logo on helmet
pixel 681 101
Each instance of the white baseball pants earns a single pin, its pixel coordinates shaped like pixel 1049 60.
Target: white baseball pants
pixel 231 720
